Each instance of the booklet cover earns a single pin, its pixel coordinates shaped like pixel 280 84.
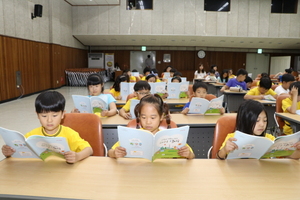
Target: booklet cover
pixel 158 88
pixel 140 143
pixel 176 90
pixel 35 146
pixel 251 146
pixel 133 103
pixel 203 106
pixel 87 104
pixel 126 89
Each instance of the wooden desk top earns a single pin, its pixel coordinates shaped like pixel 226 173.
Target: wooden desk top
pixel 107 178
pixel 291 117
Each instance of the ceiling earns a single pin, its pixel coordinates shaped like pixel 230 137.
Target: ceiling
pixel 179 41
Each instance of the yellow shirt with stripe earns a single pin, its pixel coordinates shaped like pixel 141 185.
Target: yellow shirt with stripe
pixel 286 103
pixel 76 143
pixel 115 93
pixel 126 107
pixel 256 92
pixel 231 135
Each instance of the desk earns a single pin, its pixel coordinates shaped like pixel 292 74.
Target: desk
pixel 125 178
pixel 200 135
pixel 233 100
pixel 216 89
pixel 293 119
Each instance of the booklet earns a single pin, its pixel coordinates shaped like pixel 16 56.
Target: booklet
pixel 140 143
pixel 166 75
pixel 87 104
pixel 133 103
pixel 269 98
pixel 126 89
pixel 35 146
pixel 135 74
pixel 235 89
pixel 177 90
pixel 251 146
pixel 158 88
pixel 203 106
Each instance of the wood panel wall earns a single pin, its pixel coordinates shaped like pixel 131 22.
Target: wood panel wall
pixel 41 65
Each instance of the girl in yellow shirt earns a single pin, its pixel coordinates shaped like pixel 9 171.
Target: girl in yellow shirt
pixel 115 90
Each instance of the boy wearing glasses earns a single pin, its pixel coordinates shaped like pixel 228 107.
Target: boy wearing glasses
pixel 141 89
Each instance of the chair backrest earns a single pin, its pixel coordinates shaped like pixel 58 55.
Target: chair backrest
pixel 89 127
pixel 278 109
pixel 226 124
pixel 130 96
pixel 163 125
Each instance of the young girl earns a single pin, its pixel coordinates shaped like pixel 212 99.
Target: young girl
pixel 224 77
pixel 251 119
pixel 128 72
pixel 150 112
pixel 115 90
pixel 95 87
pixel 200 73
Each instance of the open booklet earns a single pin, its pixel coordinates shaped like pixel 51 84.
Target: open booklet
pixel 35 146
pixel 203 106
pixel 177 90
pixel 87 104
pixel 250 146
pixel 140 143
pixel 133 103
pixel 126 89
pixel 269 98
pixel 158 88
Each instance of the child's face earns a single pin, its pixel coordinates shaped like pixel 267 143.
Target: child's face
pixel 149 117
pixel 50 121
pixel 261 124
pixel 241 77
pixel 141 93
pixel 95 90
pixel 215 68
pixel 286 85
pixel 171 74
pixel 168 69
pixel 151 80
pixel 249 84
pixel 175 81
pixel 263 90
pixel 129 73
pixel 200 92
pixel 147 73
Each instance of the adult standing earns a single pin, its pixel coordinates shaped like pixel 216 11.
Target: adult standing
pixel 149 62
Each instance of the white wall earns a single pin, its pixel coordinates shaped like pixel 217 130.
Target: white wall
pixel 248 18
pixel 55 26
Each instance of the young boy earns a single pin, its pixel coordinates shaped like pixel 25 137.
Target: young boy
pixel 146 72
pixel 50 109
pixel 199 90
pixel 287 79
pixel 291 105
pixel 211 76
pixel 141 89
pixel 262 90
pixel 248 82
pixel 239 81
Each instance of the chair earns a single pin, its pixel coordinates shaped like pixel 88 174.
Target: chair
pixel 89 127
pixel 163 125
pixel 254 83
pixel 278 120
pixel 224 125
pixel 130 96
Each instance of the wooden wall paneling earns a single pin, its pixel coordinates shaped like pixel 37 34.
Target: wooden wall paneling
pixel 56 65
pixel 3 81
pixel 44 66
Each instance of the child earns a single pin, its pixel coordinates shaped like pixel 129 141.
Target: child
pixel 150 112
pixel 237 82
pixel 248 82
pixel 223 79
pixel 199 90
pixel 115 91
pixel 263 89
pixel 287 79
pixel 200 73
pixel 177 79
pixel 146 72
pixel 128 72
pixel 230 74
pixel 167 69
pixel 141 88
pixel 95 86
pixel 211 76
pixel 291 104
pixel 214 67
pixel 50 109
pixel 251 119
pixel 151 78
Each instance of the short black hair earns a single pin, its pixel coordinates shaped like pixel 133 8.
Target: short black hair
pixel 241 72
pixel 176 78
pixel 50 101
pixel 248 79
pixel 199 85
pixel 150 76
pixel 141 85
pixel 177 74
pixel 212 71
pixel 265 82
pixel 296 85
pixel 147 69
pixel 119 79
pixel 173 70
pixel 134 70
pixel 95 79
pixel 289 70
pixel 264 74
pixel 287 78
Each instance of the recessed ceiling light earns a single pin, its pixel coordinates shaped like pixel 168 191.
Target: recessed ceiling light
pixel 222 40
pixel 279 43
pixel 261 42
pixel 241 41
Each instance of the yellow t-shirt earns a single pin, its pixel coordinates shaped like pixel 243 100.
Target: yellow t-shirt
pixel 285 104
pixel 126 107
pixel 115 93
pixel 132 79
pixel 256 92
pixel 231 76
pixel 143 78
pixel 76 143
pixel 231 135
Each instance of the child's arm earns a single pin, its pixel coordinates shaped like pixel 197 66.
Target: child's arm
pixel 296 154
pixel 225 87
pixel 73 157
pixel 111 112
pixel 118 152
pixel 7 151
pixel 294 95
pixel 248 96
pixel 124 114
pixel 185 111
pixel 75 110
pixel 229 146
pixel 185 152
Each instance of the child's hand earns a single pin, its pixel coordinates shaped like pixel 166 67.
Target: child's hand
pixel 75 110
pixel 120 152
pixel 119 98
pixel 294 91
pixel 297 145
pixel 126 115
pixel 104 113
pixel 261 97
pixel 185 111
pixel 7 150
pixel 71 157
pixel 184 152
pixel 165 95
pixel 222 110
pixel 230 145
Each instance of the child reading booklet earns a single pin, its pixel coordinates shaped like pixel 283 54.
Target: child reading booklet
pixel 203 106
pixel 143 144
pixel 35 146
pixel 93 104
pixel 174 89
pixel 261 147
pixel 126 89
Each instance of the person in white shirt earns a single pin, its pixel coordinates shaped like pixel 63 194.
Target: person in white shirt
pixel 200 73
pixel 287 79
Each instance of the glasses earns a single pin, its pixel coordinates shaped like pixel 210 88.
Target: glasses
pixel 143 93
